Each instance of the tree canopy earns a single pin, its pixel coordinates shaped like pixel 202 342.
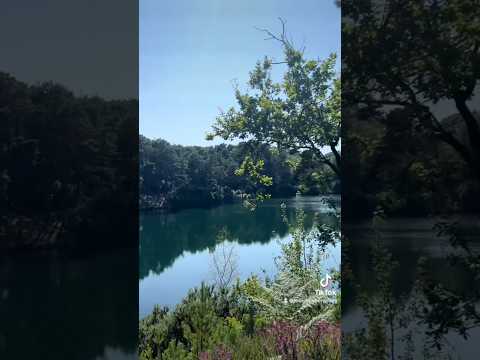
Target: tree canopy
pixel 300 113
pixel 413 55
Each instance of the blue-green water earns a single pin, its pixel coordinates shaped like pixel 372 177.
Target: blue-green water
pixel 175 248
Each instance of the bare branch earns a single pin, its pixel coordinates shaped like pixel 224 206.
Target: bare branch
pixel 282 38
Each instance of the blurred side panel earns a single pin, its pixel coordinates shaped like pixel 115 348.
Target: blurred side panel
pixel 411 187
pixel 68 179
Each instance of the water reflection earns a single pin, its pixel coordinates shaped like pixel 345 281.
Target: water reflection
pixel 174 248
pixel 165 237
pixel 408 240
pixel 57 308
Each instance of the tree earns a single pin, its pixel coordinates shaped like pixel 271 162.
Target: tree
pixel 224 261
pixel 302 112
pixel 412 55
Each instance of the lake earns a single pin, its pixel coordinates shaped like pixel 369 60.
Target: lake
pixel 409 240
pixel 176 248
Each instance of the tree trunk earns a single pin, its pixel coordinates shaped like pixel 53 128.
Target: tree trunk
pixel 473 130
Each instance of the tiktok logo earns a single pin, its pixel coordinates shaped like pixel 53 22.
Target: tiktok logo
pixel 324 282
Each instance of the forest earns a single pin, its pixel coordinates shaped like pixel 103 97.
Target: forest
pixel 175 177
pixel 67 168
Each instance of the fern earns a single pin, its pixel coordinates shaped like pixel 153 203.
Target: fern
pixel 293 295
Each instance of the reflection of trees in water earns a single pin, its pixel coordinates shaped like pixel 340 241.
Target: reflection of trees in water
pixel 360 261
pixel 407 248
pixel 78 308
pixel 425 296
pixel 166 237
pixel 453 306
pixel 404 277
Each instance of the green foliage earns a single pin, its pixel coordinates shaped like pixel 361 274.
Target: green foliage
pixel 175 177
pixel 235 330
pixel 204 327
pixel 300 114
pixel 292 295
pixel 205 319
pixel 175 352
pixel 252 170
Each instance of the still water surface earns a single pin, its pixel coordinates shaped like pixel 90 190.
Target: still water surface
pixel 58 307
pixel 174 248
pixel 409 240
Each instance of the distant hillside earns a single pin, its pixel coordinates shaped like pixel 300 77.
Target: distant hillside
pixel 174 176
pixel 66 166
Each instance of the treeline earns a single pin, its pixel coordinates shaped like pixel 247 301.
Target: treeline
pixel 67 167
pixel 175 177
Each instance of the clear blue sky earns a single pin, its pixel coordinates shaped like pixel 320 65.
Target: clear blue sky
pixel 191 50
